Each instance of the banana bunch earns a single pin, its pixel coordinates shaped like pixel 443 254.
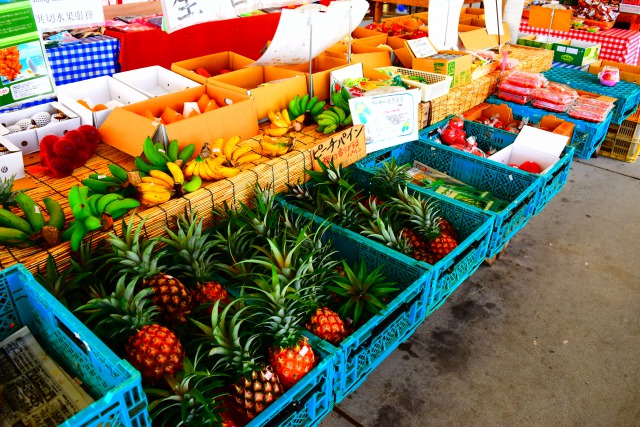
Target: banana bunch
pixel 281 123
pixel 274 147
pixel 332 119
pixel 25 232
pixel 93 212
pixel 220 160
pixel 341 99
pixel 299 106
pixel 158 157
pixel 160 186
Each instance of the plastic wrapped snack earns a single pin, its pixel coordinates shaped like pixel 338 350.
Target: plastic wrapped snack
pixel 512 97
pixel 556 93
pixel 593 110
pixel 550 106
pixel 526 79
pixel 517 90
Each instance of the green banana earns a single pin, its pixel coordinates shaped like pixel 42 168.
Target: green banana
pixel 14 237
pixel 193 185
pixel 344 92
pixel 331 114
pixel 145 167
pixel 119 213
pixel 66 234
pixel 100 186
pixel 326 122
pixel 10 220
pixel 330 129
pixel 105 201
pixel 56 214
pixel 187 152
pixel 151 153
pixel 121 204
pixel 92 201
pixel 31 211
pixel 92 223
pixel 78 234
pixel 317 109
pixel 106 178
pixel 173 150
pixel 340 112
pixel 160 149
pixel 84 194
pixel 81 211
pixel 312 102
pixel 294 107
pixel 303 103
pixel 118 171
pixel 321 128
pixel 74 196
pixel 348 121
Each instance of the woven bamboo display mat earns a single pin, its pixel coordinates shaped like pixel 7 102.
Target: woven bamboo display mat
pixel 276 172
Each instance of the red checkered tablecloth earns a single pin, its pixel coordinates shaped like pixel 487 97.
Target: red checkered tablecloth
pixel 617 45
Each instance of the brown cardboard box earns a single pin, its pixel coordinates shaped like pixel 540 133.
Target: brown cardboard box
pixel 126 128
pixel 370 56
pixel 479 38
pixel 368 37
pixel 628 73
pixel 322 67
pixel 404 56
pixel 472 11
pixel 459 68
pixel 397 42
pixel 212 63
pixel 466 28
pixel 286 84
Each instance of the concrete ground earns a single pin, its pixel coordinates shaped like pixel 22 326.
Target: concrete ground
pixel 547 336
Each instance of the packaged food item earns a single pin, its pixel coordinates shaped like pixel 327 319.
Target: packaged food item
pixel 526 79
pixel 556 93
pixel 517 90
pixel 546 105
pixel 609 76
pixel 512 97
pixel 593 110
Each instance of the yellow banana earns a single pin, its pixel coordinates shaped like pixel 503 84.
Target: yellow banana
pixel 199 172
pixel 277 120
pixel 240 151
pixel 156 181
pixel 216 161
pixel 209 170
pixel 151 186
pixel 249 157
pixel 276 131
pixel 230 145
pixel 152 198
pixel 285 116
pixel 216 146
pixel 227 172
pixel 188 171
pixel 163 176
pixel 176 173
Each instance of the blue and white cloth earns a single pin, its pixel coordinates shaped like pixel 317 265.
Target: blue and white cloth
pixel 91 57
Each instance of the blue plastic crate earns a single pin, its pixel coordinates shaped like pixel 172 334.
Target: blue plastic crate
pixel 112 382
pixel 311 399
pixel 555 179
pixel 587 136
pixel 517 187
pixel 626 93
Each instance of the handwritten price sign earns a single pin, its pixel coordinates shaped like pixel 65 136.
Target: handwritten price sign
pixel 344 148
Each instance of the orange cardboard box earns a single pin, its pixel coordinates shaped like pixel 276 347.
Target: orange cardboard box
pixel 126 128
pixel 368 37
pixel 459 68
pixel 270 87
pixel 628 73
pixel 212 63
pixel 367 55
pixel 322 66
pixel 404 56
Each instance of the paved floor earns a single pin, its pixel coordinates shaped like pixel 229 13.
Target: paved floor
pixel 548 336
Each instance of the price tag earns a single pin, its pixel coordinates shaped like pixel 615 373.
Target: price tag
pixel 102 176
pixel 303 351
pixel 421 47
pixel 344 148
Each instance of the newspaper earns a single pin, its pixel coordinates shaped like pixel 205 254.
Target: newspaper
pixel 35 390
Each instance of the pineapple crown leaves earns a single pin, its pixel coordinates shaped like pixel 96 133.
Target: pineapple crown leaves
pixel 385 234
pixel 121 313
pixel 423 214
pixel 363 290
pixel 234 245
pixel 59 285
pixel 389 176
pixel 340 207
pixel 7 196
pixel 371 211
pixel 330 175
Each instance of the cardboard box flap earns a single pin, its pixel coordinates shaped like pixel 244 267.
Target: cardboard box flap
pixel 544 17
pixel 138 128
pixel 480 39
pixel 540 140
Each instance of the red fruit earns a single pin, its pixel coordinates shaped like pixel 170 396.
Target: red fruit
pixel 456 122
pixel 449 135
pixel 64 147
pixel 91 133
pixel 530 166
pixel 78 137
pixel 460 139
pixel 80 158
pixel 46 149
pixel 60 167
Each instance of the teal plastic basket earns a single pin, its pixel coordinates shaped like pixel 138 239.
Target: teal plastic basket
pixel 627 94
pixel 519 188
pixel 587 136
pixel 113 383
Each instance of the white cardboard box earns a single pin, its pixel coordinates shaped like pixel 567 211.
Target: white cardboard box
pixel 100 90
pixel 155 81
pixel 533 144
pixel 11 162
pixel 29 140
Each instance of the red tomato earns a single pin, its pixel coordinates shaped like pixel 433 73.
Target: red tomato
pixel 456 122
pixel 530 166
pixel 449 135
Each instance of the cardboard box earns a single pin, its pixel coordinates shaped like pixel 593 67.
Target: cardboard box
pixel 126 128
pixel 212 63
pixel 280 86
pixel 479 38
pixel 155 81
pixel 576 52
pixel 558 126
pixel 322 67
pixel 464 28
pixel 459 67
pixel 404 57
pixel 100 90
pixel 475 11
pixel 533 144
pixel 11 163
pixel 370 56
pixel 541 42
pixel 628 73
pixel 28 141
pixel 368 37
pixel 397 42
pixel 466 21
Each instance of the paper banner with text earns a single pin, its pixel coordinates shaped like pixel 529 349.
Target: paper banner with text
pixel 345 148
pixel 24 73
pixel 65 14
pixel 184 13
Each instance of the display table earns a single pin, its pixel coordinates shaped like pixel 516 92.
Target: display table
pixel 617 45
pixel 245 36
pixel 91 57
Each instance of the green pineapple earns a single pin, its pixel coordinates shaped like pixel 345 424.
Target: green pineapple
pixel 389 178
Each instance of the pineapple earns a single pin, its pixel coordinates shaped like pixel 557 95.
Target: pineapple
pixel 255 385
pixel 389 177
pixel 328 325
pixel 7 195
pixel 134 256
pixel 385 234
pixel 340 208
pixel 362 291
pixel 152 349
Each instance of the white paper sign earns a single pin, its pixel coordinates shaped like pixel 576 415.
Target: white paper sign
pixel 444 16
pixel 493 17
pixel 421 47
pixel 64 14
pixel 389 119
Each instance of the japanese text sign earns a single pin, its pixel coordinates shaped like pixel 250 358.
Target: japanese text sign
pixel 344 148
pixel 64 14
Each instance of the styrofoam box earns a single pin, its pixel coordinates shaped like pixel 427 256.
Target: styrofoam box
pixel 100 90
pixel 155 81
pixel 28 141
pixel 11 162
pixel 533 144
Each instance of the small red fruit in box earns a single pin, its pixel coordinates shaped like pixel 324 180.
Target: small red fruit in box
pixel 456 122
pixel 449 135
pixel 530 166
pixel 65 148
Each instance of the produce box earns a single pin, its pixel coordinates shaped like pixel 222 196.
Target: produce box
pixel 28 140
pixel 624 143
pixel 457 65
pixel 432 86
pixel 154 81
pixel 627 94
pixel 368 37
pixel 105 91
pixel 540 41
pixel 628 73
pixel 369 56
pixel 127 127
pixel 271 88
pixel 576 52
pixel 112 382
pixel 213 64
pixel 11 161
pixel 322 67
